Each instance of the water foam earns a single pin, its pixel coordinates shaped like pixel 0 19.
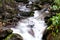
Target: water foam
pixel 35 23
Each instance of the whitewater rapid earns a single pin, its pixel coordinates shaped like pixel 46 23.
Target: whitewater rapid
pixel 31 28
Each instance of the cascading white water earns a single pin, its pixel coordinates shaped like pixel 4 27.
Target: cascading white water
pixel 31 28
pixel 24 26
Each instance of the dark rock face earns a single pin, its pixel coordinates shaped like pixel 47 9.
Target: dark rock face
pixel 45 35
pixel 6 34
pixel 14 37
pixel 24 1
pixel 8 12
pixel 26 14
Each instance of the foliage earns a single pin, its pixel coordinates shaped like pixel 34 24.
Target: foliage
pixel 57 2
pixel 55 20
pixel 54 26
pixel 56 5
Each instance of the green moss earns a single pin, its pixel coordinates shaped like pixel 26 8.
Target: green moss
pixel 13 37
pixel 0 3
pixel 8 37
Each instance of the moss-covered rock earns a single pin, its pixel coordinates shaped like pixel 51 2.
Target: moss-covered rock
pixel 13 37
pixel 4 32
pixel 51 37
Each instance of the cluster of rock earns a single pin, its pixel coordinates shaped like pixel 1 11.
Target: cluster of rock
pixel 10 15
pixel 6 34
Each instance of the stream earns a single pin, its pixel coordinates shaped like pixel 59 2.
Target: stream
pixel 31 28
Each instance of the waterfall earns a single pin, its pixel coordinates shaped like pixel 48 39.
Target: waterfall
pixel 31 28
pixel 34 23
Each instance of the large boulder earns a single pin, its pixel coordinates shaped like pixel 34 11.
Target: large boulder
pixel 13 37
pixel 6 34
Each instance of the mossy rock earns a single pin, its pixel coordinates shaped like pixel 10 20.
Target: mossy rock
pixel 26 14
pixel 4 32
pixel 13 37
pixel 57 37
pixel 51 37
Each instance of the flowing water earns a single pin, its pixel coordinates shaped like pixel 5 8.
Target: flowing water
pixel 31 28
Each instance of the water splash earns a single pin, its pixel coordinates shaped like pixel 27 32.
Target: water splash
pixel 35 23
pixel 31 28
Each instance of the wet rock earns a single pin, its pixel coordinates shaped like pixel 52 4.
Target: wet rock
pixel 50 37
pixel 1 10
pixel 45 34
pixel 46 1
pixel 24 1
pixel 8 12
pixel 7 15
pixel 4 32
pixel 46 19
pixel 14 37
pixel 57 37
pixel 37 7
pixel 26 14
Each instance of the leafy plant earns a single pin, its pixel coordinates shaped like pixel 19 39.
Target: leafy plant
pixel 54 26
pixel 57 2
pixel 55 20
pixel 56 5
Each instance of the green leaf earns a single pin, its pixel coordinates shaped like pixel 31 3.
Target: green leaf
pixel 54 7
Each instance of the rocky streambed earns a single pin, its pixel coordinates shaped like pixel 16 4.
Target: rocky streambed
pixel 26 20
